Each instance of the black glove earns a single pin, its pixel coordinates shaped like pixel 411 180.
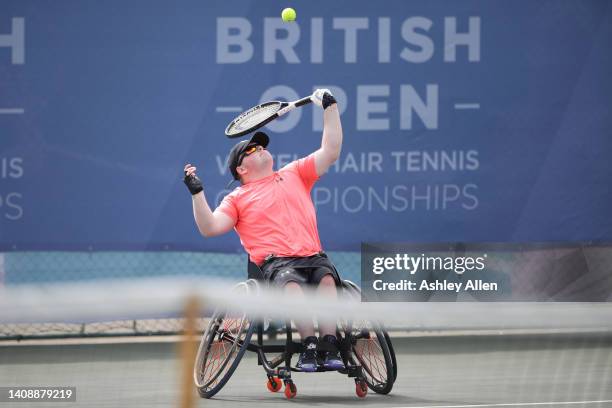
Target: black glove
pixel 322 97
pixel 328 100
pixel 193 183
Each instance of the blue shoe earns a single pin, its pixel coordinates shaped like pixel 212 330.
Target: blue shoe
pixel 332 358
pixel 308 358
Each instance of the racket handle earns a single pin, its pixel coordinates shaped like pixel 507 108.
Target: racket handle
pixel 303 101
pixel 292 105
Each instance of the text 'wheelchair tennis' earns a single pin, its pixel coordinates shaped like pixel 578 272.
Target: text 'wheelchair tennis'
pixel 365 348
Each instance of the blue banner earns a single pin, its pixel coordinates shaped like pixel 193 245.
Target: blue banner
pixel 463 121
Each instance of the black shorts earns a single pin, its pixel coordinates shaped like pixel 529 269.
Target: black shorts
pixel 303 270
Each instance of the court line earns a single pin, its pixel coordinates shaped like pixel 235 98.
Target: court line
pixel 228 109
pixel 517 404
pixel 467 106
pixel 12 111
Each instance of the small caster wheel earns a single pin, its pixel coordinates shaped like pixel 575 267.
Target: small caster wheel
pixel 274 384
pixel 290 390
pixel 361 389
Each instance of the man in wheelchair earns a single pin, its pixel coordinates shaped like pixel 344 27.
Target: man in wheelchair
pixel 275 218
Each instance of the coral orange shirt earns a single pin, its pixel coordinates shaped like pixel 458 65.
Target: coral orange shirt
pixel 276 215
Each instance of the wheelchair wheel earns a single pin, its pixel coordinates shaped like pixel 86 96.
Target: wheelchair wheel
pixel 222 346
pixel 392 352
pixel 371 352
pixel 371 349
pixel 354 291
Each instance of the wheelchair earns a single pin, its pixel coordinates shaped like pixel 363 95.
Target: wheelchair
pixel 365 348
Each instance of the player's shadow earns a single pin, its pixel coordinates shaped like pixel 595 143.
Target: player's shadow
pixel 393 399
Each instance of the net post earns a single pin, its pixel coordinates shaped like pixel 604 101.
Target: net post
pixel 188 351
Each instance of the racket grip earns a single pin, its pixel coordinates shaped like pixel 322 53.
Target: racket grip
pixel 303 101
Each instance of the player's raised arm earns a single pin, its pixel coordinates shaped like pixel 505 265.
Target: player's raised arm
pixel 331 143
pixel 209 224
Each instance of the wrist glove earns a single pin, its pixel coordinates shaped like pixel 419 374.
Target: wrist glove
pixel 328 100
pixel 193 183
pixel 323 98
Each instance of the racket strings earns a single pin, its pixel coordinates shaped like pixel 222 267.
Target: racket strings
pixel 253 117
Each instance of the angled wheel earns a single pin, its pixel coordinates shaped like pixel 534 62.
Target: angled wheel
pixel 370 349
pixel 392 352
pixel 222 346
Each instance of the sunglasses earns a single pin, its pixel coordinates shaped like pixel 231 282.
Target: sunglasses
pixel 249 151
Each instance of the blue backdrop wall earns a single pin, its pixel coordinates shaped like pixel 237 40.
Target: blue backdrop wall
pixel 463 120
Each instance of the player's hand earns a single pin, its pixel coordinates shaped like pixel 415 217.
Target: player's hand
pixel 193 182
pixel 323 98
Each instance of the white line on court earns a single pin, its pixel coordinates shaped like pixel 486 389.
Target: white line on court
pixel 12 111
pixel 467 106
pixel 517 404
pixel 228 109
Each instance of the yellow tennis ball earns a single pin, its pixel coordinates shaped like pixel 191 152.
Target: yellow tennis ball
pixel 288 14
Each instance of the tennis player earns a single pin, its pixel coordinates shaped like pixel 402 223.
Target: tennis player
pixel 275 218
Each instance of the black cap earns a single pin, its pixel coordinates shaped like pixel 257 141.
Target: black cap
pixel 259 138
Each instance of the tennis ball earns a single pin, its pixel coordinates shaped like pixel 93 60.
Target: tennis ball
pixel 288 14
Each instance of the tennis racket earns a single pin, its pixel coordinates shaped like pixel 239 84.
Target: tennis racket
pixel 261 115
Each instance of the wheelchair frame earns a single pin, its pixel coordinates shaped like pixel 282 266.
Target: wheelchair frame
pixel 277 375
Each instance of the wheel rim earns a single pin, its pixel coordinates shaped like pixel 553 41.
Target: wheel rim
pixel 223 341
pixel 219 347
pixel 371 356
pixel 376 361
